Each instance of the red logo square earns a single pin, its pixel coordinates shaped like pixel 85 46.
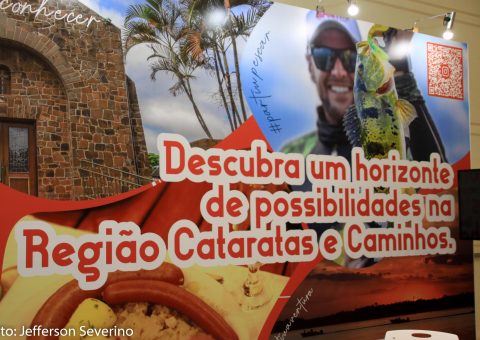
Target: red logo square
pixel 445 71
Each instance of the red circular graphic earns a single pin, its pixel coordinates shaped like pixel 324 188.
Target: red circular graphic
pixel 445 71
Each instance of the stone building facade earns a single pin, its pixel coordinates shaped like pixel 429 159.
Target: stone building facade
pixel 65 100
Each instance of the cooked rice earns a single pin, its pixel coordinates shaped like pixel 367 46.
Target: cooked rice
pixel 154 322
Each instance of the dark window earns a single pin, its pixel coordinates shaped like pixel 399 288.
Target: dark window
pixel 18 149
pixel 5 80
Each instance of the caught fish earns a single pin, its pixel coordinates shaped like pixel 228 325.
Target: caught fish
pixel 380 122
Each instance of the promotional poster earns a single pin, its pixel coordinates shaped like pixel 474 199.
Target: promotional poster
pixel 202 170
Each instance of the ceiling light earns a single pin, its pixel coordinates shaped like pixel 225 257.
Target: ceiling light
pixel 447 35
pixel 448 19
pixel 320 9
pixel 448 24
pixel 352 8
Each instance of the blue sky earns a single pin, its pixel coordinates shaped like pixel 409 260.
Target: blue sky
pixel 108 8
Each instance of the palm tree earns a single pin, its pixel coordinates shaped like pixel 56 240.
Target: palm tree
pixel 160 24
pixel 241 26
pixel 228 81
pixel 205 46
pixel 202 45
pixel 236 25
pixel 209 43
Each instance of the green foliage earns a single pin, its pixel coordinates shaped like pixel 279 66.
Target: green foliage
pixel 153 159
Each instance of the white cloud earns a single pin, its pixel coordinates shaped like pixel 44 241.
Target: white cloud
pixel 150 139
pixel 162 112
pixel 137 58
pixel 178 116
pixel 116 17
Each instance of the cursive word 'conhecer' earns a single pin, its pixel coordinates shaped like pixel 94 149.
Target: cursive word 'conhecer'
pixel 26 8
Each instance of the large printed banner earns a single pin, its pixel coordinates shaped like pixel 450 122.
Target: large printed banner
pixel 328 210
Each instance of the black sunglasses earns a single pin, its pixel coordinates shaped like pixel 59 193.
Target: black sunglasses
pixel 325 57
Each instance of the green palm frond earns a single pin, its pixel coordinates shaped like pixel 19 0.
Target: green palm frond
pixel 136 33
pixel 161 65
pixel 136 12
pixel 177 88
pixel 140 29
pixel 243 24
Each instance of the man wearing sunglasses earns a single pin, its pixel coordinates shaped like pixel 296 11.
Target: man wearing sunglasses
pixel 331 57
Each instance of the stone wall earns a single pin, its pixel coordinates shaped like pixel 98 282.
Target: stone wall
pixel 93 105
pixel 137 131
pixel 37 94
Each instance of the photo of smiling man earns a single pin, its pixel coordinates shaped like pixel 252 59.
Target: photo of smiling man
pixel 331 57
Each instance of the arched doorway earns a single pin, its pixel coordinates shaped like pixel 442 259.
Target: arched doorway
pixel 35 137
pixel 18 155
